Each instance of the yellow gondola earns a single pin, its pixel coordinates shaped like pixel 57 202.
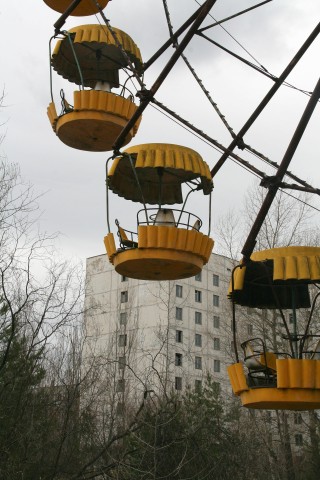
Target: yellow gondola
pixel 278 278
pixel 86 7
pixel 90 56
pixel 168 244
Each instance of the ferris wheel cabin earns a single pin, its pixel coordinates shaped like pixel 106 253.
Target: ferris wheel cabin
pixel 168 243
pixel 91 56
pixel 279 279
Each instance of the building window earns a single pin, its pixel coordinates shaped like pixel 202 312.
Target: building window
pixel 178 313
pixel 124 297
pixel 250 329
pixel 297 418
pixel 178 360
pixel 178 383
pixel 216 300
pixel 179 291
pixel 216 366
pixel 290 317
pixel 215 280
pixel 216 321
pixel 198 296
pixel 198 318
pixel 122 340
pixel 197 385
pixel 198 340
pixel 179 336
pixel 298 438
pixel 124 278
pixel 122 362
pixel 198 363
pixel 198 277
pixel 120 385
pixel 123 318
pixel 216 343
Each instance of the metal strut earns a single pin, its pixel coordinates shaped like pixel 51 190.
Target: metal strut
pixel 62 19
pixel 306 187
pixel 239 138
pixel 147 95
pixel 192 70
pixel 273 188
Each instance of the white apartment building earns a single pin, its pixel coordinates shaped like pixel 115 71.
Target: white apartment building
pixel 167 336
pixel 162 335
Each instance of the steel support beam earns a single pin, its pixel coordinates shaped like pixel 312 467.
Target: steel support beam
pixel 147 95
pixel 283 167
pixel 238 140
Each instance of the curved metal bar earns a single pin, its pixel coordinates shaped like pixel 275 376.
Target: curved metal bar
pixel 210 202
pixel 50 69
pixel 138 183
pixel 234 314
pixel 75 57
pixel 279 308
pixel 184 204
pixel 303 340
pixel 186 223
pixel 107 193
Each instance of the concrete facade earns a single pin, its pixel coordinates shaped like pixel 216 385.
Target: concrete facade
pixel 166 335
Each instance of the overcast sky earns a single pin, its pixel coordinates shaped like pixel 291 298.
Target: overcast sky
pixel 74 202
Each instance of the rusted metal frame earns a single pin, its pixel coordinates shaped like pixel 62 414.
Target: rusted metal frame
pixel 147 95
pixel 264 182
pixel 234 324
pixel 276 165
pixel 293 186
pixel 211 140
pixel 260 69
pixel 195 75
pixel 238 139
pixel 238 57
pixel 234 16
pixel 172 39
pixel 251 240
pixel 61 20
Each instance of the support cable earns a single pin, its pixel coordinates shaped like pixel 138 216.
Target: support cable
pixel 259 69
pixel 169 42
pixel 239 138
pixel 147 95
pixel 233 38
pixel 209 139
pixel 220 148
pixel 219 22
pixel 222 117
pixel 192 70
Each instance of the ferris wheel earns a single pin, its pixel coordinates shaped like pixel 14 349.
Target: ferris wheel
pixel 169 243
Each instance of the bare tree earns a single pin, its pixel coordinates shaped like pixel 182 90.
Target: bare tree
pixel 290 222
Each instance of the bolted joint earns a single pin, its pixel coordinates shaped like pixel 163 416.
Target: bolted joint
pixel 144 95
pixel 270 181
pixel 240 144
